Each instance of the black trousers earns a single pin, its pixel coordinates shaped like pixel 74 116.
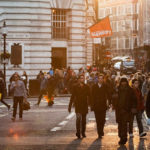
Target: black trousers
pixel 42 92
pixel 80 123
pixel 2 101
pixel 100 121
pixel 122 128
pixel 18 100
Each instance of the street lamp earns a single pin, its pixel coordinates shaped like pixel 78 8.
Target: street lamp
pixel 4 33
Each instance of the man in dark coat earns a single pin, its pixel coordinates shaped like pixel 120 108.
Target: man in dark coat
pixel 125 105
pixel 43 86
pixel 80 97
pixel 99 104
pixel 50 88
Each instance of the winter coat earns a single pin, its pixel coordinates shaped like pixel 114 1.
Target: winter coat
pixel 140 100
pixel 50 86
pixel 80 97
pixel 125 102
pixel 99 97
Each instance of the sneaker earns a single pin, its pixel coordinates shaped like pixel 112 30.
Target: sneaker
pixel 131 135
pixel 143 134
pixel 13 118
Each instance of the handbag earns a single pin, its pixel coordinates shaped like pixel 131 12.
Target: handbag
pixel 26 105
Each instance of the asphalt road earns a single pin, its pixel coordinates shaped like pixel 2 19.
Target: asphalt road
pixel 53 128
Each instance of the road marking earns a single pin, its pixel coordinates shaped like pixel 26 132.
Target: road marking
pixel 45 110
pixel 2 106
pixel 3 115
pixel 63 123
pixel 56 129
pixel 70 116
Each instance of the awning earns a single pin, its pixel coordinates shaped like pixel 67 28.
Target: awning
pixel 61 4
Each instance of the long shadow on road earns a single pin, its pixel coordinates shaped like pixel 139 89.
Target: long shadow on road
pixel 74 145
pixel 96 145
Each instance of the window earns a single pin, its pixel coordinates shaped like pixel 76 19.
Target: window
pixel 121 44
pixel 114 26
pixel 114 11
pixel 128 24
pixel 120 10
pixel 107 41
pixel 127 43
pixel 121 25
pixel 101 13
pixel 113 43
pixel 128 9
pixel 134 8
pixel 59 24
pixel 107 12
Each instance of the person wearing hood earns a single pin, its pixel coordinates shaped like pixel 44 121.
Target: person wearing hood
pixel 125 105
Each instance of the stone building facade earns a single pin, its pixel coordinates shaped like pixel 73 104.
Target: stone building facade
pixel 144 17
pixel 125 25
pixel 49 32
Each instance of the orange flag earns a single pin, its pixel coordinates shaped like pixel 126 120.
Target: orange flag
pixel 101 29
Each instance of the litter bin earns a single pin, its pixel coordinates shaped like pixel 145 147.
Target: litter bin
pixel 34 87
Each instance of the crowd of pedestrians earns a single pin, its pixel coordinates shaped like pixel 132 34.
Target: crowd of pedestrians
pixel 128 95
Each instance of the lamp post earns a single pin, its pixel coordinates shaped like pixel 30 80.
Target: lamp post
pixel 4 33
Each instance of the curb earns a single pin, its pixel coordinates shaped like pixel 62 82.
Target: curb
pixel 61 95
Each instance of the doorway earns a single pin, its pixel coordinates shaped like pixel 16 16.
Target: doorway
pixel 59 58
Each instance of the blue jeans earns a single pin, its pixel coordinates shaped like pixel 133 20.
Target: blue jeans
pixel 139 122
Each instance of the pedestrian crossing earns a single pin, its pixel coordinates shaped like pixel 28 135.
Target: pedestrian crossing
pixel 57 102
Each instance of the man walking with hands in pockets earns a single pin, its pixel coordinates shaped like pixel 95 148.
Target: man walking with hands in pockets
pixel 19 93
